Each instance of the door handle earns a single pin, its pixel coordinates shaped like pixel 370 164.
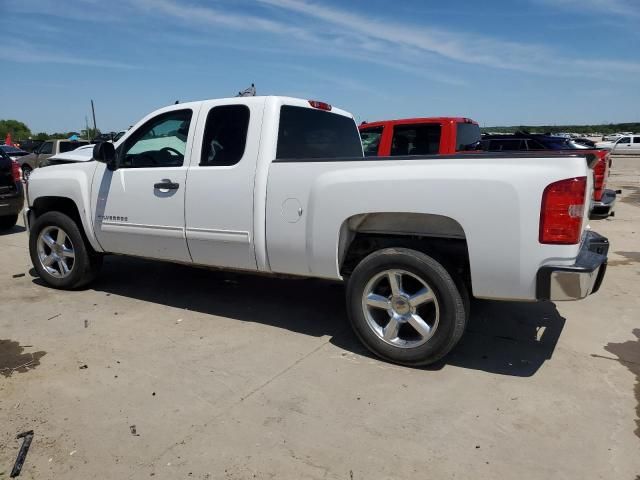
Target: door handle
pixel 166 185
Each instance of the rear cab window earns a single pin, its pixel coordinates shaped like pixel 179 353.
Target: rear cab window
pixel 467 136
pixel 308 133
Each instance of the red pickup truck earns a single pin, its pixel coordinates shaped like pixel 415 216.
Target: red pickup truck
pixel 419 136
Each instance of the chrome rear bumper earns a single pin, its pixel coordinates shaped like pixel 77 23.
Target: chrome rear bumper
pixel 577 281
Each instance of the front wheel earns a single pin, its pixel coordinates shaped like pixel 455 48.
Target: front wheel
pixel 60 253
pixel 405 306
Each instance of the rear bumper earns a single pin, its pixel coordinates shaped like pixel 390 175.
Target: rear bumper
pixel 605 207
pixel 574 282
pixel 11 204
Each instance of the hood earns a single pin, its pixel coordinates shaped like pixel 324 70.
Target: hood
pixel 80 154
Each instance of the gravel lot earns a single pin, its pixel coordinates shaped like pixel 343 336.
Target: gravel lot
pixel 165 371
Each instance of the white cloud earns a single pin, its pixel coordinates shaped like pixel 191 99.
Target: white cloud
pixel 22 52
pixel 460 47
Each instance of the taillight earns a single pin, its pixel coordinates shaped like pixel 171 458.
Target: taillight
pixel 562 211
pixel 600 172
pixel 320 105
pixel 16 171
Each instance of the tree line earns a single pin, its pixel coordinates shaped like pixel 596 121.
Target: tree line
pixel 604 129
pixel 20 131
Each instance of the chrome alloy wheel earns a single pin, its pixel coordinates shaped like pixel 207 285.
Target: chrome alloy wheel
pixel 55 252
pixel 400 308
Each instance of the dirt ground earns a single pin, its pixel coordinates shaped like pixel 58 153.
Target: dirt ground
pixel 165 371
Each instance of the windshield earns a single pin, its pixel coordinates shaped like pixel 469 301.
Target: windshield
pixel 371 141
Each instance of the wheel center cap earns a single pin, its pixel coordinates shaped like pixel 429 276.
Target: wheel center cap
pixel 400 305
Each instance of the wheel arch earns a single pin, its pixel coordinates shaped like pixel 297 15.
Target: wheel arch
pixel 439 236
pixel 68 206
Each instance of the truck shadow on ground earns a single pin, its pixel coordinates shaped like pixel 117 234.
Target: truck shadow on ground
pixel 505 338
pixel 14 229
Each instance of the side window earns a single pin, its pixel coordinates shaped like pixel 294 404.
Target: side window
pixel 625 140
pixel 636 139
pixel 225 135
pixel 371 141
pixel 161 142
pixel 46 148
pixel 416 140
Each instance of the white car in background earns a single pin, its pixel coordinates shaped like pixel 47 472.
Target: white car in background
pixel 629 144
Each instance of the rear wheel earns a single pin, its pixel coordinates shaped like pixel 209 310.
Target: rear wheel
pixel 60 253
pixel 405 306
pixel 8 222
pixel 26 171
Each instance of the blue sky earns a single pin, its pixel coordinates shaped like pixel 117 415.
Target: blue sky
pixel 498 61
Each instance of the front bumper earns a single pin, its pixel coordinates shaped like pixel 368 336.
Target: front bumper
pixel 605 207
pixel 574 282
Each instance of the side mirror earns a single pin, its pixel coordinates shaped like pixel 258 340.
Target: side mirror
pixel 105 152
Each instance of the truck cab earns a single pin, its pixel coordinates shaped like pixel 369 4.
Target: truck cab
pixel 419 136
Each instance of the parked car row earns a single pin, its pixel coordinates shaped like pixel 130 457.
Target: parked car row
pixel 451 135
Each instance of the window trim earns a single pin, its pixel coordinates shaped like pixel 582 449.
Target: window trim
pixel 134 135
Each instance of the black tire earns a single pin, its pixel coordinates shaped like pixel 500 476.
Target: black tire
pixel 8 222
pixel 26 171
pixel 452 305
pixel 86 264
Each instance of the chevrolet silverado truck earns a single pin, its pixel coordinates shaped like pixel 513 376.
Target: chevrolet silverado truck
pixel 280 186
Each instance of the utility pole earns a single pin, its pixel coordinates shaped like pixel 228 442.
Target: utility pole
pixel 86 124
pixel 93 112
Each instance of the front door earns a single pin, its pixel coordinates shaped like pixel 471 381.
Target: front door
pixel 139 208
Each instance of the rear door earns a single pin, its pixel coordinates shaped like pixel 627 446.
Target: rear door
pixel 635 145
pixel 139 208
pixel 220 194
pixel 416 139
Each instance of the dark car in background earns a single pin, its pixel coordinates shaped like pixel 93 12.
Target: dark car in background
pixel 13 152
pixel 11 191
pixel 604 200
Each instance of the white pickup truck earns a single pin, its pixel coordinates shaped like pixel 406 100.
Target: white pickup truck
pixel 280 186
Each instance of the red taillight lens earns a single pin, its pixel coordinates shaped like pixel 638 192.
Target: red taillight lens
pixel 562 211
pixel 320 105
pixel 16 171
pixel 600 172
